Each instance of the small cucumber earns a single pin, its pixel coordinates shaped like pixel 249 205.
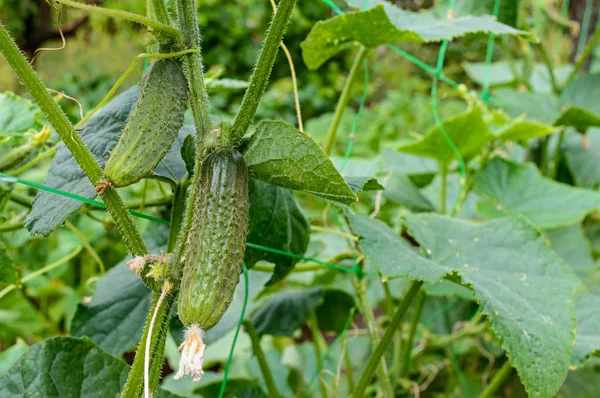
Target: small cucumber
pixel 215 245
pixel 152 127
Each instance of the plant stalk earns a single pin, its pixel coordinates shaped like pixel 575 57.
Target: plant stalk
pixel 260 357
pixel 160 12
pixel 135 380
pixel 262 69
pixel 584 55
pixel 319 343
pixel 386 339
pixel 443 188
pixel 405 369
pixel 344 99
pixel 497 381
pixel 177 215
pixel 549 67
pixel 188 20
pixel 347 363
pixel 557 155
pixel 72 140
pixel 369 315
pixel 129 16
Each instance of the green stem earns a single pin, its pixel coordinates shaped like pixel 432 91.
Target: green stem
pixel 544 155
pixel 344 99
pixel 160 12
pixel 177 213
pixel 135 380
pixel 260 357
pixel 319 343
pixel 497 381
pixel 549 67
pixel 557 155
pixel 44 155
pixel 584 55
pixel 373 328
pixel 87 245
pixel 411 335
pixel 14 223
pixel 443 189
pixel 188 20
pixel 129 16
pixel 262 69
pixel 20 199
pixel 72 140
pixel 347 363
pixel 469 330
pixel 41 271
pixel 385 341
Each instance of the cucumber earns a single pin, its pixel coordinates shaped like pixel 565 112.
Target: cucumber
pixel 214 249
pixel 152 127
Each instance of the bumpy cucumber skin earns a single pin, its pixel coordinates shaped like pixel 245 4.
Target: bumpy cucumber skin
pixel 152 127
pixel 215 245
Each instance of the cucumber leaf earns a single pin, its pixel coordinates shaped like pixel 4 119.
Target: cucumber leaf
pixel 469 132
pixel 511 188
pixel 587 341
pixel 525 289
pixel 275 221
pixel 361 184
pixel 281 155
pixel 384 23
pixel 66 367
pixel 582 155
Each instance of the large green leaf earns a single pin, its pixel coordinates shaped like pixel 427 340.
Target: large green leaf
pixel 11 355
pixel 582 154
pixel 410 165
pixel 402 191
pixel 512 188
pixel 468 131
pixel 579 102
pixel 384 23
pixel 287 311
pixel 571 244
pixel 65 367
pixel 281 155
pixel 361 184
pixel 522 130
pixel 542 107
pixel 101 134
pixel 524 288
pixel 114 319
pixel 587 341
pixel 18 116
pixel 9 273
pixel 276 221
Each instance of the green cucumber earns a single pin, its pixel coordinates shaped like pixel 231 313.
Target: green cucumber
pixel 152 127
pixel 214 248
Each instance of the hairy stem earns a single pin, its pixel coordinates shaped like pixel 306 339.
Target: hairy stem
pixel 262 69
pixel 73 142
pixel 194 70
pixel 386 339
pixel 497 381
pixel 159 10
pixel 260 357
pixel 343 100
pixel 135 380
pixel 177 215
pixel 129 16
